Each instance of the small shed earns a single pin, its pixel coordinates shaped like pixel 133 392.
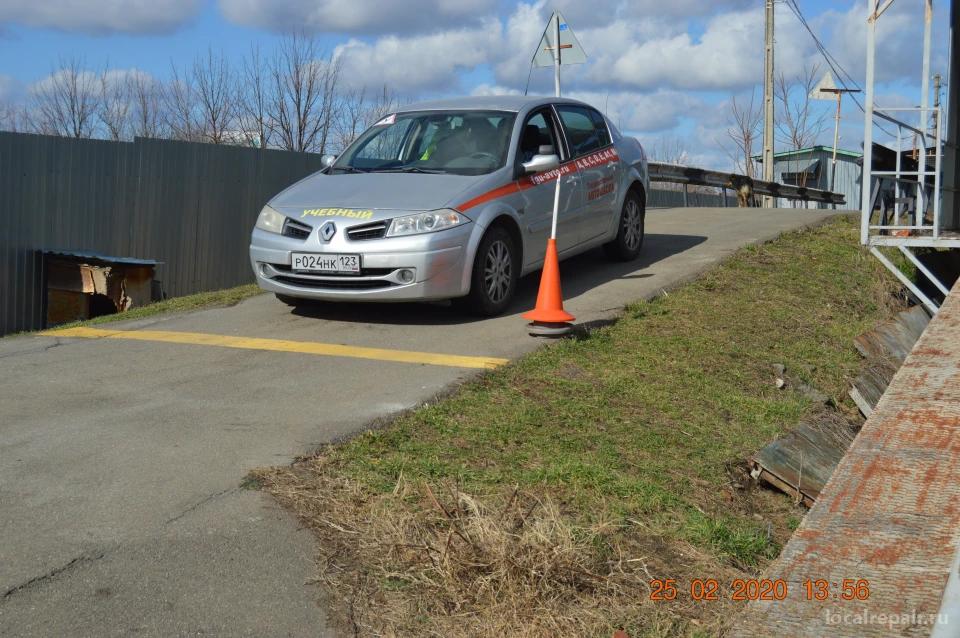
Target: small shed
pixel 813 168
pixel 81 285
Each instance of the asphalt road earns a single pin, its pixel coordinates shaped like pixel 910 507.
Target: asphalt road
pixel 121 458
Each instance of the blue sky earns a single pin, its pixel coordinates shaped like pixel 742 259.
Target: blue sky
pixel 662 69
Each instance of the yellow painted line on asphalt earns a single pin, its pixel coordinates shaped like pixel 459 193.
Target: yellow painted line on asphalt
pixel 280 345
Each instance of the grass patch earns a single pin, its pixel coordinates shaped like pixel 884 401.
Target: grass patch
pixel 544 498
pixel 199 301
pixel 251 482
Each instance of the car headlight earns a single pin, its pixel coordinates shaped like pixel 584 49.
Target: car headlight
pixel 270 220
pixel 425 222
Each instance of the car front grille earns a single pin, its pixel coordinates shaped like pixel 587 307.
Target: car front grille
pixel 340 284
pixel 296 230
pixel 364 272
pixel 375 230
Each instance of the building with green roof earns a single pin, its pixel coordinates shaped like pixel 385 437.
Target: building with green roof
pixel 812 167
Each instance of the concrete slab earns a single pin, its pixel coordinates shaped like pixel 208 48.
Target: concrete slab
pixel 120 460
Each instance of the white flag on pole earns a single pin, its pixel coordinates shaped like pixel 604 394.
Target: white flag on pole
pixel 570 50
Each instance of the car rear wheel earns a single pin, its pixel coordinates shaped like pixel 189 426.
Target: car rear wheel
pixel 494 277
pixel 626 245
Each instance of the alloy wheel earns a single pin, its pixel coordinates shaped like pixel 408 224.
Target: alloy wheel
pixel 632 226
pixel 498 270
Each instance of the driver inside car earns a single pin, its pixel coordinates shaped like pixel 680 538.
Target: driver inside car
pixel 471 137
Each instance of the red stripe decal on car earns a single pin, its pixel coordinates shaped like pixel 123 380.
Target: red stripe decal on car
pixel 587 161
pixel 486 197
pixel 605 156
pixel 549 176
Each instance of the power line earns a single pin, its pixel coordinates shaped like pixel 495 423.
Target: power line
pixel 832 62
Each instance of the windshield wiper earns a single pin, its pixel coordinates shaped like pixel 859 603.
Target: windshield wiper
pixel 346 169
pixel 411 169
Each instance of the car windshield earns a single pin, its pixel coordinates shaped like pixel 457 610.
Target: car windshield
pixel 457 142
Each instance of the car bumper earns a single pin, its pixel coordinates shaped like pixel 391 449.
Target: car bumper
pixel 438 261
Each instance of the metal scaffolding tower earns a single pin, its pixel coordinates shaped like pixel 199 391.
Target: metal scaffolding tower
pixel 911 203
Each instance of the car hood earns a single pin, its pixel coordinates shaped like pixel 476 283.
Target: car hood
pixel 372 192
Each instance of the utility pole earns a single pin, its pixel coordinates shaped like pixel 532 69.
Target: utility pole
pixel 922 196
pixel 937 85
pixel 768 133
pixel 826 89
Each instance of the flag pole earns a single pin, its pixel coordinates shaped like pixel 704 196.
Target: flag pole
pixel 556 50
pixel 549 319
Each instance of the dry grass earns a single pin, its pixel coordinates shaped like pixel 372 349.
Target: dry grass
pixel 564 483
pixel 415 562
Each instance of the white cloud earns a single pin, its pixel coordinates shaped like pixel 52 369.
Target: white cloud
pixel 101 17
pixel 420 63
pixel 899 39
pixel 584 15
pixel 728 56
pixel 486 90
pixel 644 114
pixel 11 89
pixel 356 16
pixel 657 68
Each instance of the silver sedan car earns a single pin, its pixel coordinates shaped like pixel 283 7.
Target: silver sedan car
pixel 454 199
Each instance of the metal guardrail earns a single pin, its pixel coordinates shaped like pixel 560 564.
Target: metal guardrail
pixel 660 172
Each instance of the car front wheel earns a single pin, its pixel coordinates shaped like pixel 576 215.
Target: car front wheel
pixel 494 277
pixel 626 245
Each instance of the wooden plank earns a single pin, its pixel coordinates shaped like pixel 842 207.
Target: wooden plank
pixel 66 306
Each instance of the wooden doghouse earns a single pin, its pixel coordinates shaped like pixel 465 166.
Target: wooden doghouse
pixel 83 285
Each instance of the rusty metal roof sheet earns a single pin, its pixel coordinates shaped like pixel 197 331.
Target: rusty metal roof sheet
pixel 890 514
pixel 801 461
pixel 97 257
pixel 895 339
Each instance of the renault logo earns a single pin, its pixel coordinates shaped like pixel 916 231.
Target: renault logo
pixel 328 230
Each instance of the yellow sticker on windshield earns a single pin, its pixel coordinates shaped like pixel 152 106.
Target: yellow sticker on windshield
pixel 338 212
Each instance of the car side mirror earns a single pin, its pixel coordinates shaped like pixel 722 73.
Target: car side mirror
pixel 328 160
pixel 541 164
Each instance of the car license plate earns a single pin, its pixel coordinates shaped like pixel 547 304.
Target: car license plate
pixel 325 263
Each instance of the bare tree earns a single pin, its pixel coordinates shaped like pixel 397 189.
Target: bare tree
pixel 332 100
pixel 743 131
pixel 12 117
pixel 253 99
pixel 672 151
pixel 66 102
pixel 359 111
pixel 147 118
pixel 349 124
pixel 215 88
pixel 115 102
pixel 180 107
pixel 383 102
pixel 303 95
pixel 798 122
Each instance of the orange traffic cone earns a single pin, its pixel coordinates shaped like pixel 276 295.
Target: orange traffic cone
pixel 549 318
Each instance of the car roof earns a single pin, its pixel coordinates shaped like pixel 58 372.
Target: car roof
pixel 514 103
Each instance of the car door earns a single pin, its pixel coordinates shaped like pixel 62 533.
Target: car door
pixel 596 159
pixel 540 129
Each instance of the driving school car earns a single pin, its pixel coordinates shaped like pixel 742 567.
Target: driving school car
pixel 454 199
